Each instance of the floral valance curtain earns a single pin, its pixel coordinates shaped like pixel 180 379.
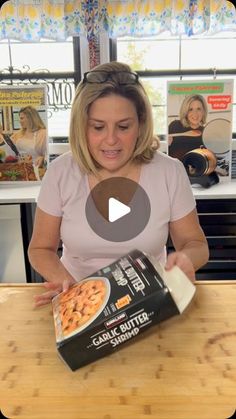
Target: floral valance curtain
pixel 145 18
pixel 31 20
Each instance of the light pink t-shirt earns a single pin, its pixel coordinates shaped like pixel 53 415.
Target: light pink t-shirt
pixel 64 192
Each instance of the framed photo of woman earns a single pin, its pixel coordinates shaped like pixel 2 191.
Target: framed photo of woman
pixel 23 133
pixel 199 118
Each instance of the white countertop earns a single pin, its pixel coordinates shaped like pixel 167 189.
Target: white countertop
pixel 26 193
pixel 16 194
pixel 222 190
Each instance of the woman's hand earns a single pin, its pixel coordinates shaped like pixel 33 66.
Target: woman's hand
pixel 54 288
pixel 183 262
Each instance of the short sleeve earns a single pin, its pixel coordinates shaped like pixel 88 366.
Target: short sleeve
pixel 171 127
pixel 49 199
pixel 176 126
pixel 182 201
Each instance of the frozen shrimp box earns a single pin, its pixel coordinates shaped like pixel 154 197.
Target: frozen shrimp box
pixel 116 304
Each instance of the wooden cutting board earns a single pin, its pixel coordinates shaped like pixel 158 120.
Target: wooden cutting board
pixel 184 368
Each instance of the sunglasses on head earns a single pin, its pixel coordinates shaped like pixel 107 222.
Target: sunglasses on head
pixel 120 77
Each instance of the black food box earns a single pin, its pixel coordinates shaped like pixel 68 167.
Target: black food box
pixel 112 306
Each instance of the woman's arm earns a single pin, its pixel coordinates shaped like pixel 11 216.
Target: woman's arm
pixel 43 256
pixel 41 147
pixel 15 135
pixel 190 244
pixel 41 141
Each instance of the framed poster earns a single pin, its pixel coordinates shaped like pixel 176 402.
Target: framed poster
pixel 199 117
pixel 23 133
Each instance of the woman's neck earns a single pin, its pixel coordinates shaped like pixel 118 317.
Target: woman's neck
pixel 195 126
pixel 131 171
pixel 28 131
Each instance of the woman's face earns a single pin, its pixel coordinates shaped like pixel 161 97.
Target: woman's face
pixel 112 131
pixel 23 120
pixel 195 114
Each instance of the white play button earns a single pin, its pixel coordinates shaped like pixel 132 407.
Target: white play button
pixel 116 209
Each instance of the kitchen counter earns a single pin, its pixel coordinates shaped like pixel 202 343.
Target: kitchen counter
pixel 29 193
pixel 223 190
pixel 184 368
pixel 26 193
pixel 19 194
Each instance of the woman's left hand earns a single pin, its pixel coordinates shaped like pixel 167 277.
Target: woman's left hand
pixel 183 262
pixel 53 289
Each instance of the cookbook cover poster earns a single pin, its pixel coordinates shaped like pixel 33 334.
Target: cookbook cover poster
pixel 23 134
pixel 199 115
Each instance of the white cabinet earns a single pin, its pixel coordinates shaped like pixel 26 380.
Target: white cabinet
pixel 12 264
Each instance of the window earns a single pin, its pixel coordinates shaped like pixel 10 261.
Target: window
pixel 162 58
pixel 57 66
pixel 45 54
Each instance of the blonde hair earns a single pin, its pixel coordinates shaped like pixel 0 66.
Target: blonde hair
pixel 87 93
pixel 32 115
pixel 184 109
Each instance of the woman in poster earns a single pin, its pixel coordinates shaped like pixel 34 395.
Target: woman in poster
pixel 30 140
pixel 185 133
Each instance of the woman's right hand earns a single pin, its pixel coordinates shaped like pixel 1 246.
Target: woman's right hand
pixel 53 289
pixel 181 260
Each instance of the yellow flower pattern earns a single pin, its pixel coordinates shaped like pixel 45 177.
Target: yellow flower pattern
pixel 179 7
pixel 7 9
pixel 26 21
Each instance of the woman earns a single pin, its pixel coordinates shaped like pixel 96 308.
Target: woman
pixel 185 134
pixel 30 140
pixel 111 135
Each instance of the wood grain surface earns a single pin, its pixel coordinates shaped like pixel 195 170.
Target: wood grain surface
pixel 184 368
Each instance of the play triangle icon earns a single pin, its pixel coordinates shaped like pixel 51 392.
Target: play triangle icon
pixel 116 210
